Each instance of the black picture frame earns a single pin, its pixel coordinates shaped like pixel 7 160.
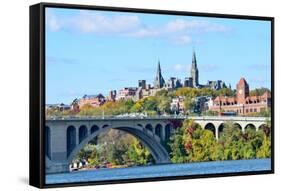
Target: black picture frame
pixel 37 92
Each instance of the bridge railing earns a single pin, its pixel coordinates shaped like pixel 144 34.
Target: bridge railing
pixel 229 118
pixel 182 117
pixel 114 117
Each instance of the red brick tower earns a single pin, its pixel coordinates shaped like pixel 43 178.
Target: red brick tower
pixel 242 91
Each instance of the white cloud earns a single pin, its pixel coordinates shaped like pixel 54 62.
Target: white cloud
pixel 97 23
pixel 145 32
pixel 178 67
pixel 52 21
pixel 184 39
pixel 189 26
pixel 181 67
pixel 179 31
pixel 208 67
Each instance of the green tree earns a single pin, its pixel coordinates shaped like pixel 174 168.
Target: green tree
pixel 150 103
pixel 164 104
pixel 225 92
pixel 137 107
pixel 259 91
pixel 178 154
pixel 163 93
pixel 199 143
pixel 232 140
pixel 203 143
pixel 265 149
pixel 137 154
pixel 189 104
pixel 217 152
pixel 94 158
pixel 88 110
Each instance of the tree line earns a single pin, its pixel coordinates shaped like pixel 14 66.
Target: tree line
pixel 158 104
pixel 191 143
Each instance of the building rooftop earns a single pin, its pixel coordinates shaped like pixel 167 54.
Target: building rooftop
pixel 93 96
pixel 242 81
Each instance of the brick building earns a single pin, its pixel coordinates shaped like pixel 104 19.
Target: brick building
pixel 93 100
pixel 126 93
pixel 242 103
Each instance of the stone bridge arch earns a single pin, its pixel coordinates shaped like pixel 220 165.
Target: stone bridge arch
pixel 152 143
pixel 57 157
pixel 211 127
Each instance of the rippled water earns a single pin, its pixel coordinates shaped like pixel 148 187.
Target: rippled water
pixel 161 171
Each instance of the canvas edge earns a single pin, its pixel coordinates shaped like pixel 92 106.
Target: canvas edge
pixel 37 93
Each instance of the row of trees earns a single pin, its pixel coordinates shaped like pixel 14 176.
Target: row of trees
pixel 154 105
pixel 191 143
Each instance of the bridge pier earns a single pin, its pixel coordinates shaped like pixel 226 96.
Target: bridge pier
pixel 56 167
pixel 217 133
pixel 58 142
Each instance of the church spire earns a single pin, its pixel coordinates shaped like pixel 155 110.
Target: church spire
pixel 194 71
pixel 159 81
pixel 194 62
pixel 158 68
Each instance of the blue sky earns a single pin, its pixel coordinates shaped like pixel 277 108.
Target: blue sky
pixel 90 52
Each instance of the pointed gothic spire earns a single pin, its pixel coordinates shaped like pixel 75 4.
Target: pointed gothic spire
pixel 159 81
pixel 158 67
pixel 194 71
pixel 194 62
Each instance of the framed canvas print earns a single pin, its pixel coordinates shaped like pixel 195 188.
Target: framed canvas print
pixel 127 95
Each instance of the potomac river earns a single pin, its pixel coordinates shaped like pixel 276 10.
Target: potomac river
pixel 161 171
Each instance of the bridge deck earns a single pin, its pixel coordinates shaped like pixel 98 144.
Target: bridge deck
pixel 196 118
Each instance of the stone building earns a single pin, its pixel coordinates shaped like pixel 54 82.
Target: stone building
pixel 242 103
pixel 93 100
pixel 201 104
pixel 142 84
pixel 58 107
pixel 126 93
pixel 188 82
pixel 112 95
pixel 177 105
pixel 216 85
pixel 173 83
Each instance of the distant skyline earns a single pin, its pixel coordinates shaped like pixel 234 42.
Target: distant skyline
pixel 91 52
